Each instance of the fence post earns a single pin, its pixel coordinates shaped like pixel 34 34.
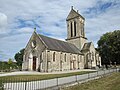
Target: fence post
pixel 88 76
pixel 57 81
pixel 26 85
pixel 76 79
pixel 104 72
pixel 97 73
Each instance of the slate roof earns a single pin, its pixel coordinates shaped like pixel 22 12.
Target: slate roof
pixel 58 45
pixel 73 14
pixel 86 46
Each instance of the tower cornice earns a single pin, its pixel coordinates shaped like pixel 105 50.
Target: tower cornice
pixel 75 38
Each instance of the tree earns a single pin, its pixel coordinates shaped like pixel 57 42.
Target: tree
pixel 109 47
pixel 4 66
pixel 10 62
pixel 19 57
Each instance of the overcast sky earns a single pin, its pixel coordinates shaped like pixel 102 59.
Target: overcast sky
pixel 19 17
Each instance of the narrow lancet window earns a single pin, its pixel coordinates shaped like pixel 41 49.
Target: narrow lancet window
pixel 71 29
pixel 54 57
pixel 74 28
pixel 65 57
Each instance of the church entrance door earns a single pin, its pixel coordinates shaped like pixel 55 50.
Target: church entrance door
pixel 34 63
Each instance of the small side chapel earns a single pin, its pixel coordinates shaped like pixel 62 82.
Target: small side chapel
pixel 45 54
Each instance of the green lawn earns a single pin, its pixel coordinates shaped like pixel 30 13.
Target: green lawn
pixel 110 82
pixel 24 78
pixel 19 78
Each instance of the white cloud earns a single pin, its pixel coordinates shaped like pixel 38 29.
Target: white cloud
pixel 3 20
pixel 49 18
pixel 102 23
pixel 3 23
pixel 12 44
pixel 25 30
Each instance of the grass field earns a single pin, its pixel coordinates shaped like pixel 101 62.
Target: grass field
pixel 24 78
pixel 110 82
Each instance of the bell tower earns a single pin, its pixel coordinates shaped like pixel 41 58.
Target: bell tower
pixel 75 29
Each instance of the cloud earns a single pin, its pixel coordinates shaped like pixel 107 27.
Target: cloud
pixel 3 56
pixel 103 20
pixel 100 8
pixel 18 18
pixel 25 30
pixel 3 23
pixel 3 20
pixel 12 44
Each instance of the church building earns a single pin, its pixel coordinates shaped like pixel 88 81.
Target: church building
pixel 45 54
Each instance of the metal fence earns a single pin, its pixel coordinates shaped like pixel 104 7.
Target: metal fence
pixel 56 82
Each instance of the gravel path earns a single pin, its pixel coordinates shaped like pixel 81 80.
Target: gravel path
pixel 39 73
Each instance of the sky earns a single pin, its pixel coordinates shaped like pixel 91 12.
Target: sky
pixel 19 17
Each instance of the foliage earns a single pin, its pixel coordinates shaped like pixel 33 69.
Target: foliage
pixel 19 57
pixel 10 61
pixel 109 47
pixel 5 66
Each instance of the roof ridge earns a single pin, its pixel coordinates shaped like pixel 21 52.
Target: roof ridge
pixel 59 45
pixel 57 39
pixel 54 38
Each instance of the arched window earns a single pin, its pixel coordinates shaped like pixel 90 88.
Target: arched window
pixel 65 57
pixel 82 29
pixel 70 57
pixel 80 58
pixel 75 28
pixel 54 57
pixel 92 56
pixel 71 28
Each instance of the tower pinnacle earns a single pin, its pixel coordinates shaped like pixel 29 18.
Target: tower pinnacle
pixel 34 29
pixel 71 7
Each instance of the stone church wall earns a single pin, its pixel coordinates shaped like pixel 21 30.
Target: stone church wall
pixel 62 62
pixel 30 52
